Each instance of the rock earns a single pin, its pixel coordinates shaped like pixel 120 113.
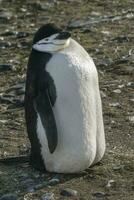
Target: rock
pixel 131 119
pixel 9 197
pixel 94 20
pixel 68 192
pixel 121 39
pixel 107 33
pixel 132 100
pixel 121 86
pixel 4 45
pixel 105 63
pixel 7 33
pixel 43 5
pixel 28 184
pixel 115 104
pixel 5 16
pixel 48 196
pixel 5 67
pixel 109 183
pixel 78 24
pixel 41 185
pixel 17 89
pixel 54 181
pixel 24 45
pixel 118 167
pixel 21 34
pixel 14 33
pixel 130 84
pixel 99 194
pixel 117 91
pixel 103 95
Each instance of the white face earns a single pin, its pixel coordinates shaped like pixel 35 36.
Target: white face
pixel 51 44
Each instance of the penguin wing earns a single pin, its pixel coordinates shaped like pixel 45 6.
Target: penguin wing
pixel 44 103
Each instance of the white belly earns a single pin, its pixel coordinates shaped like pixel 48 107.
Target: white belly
pixel 77 113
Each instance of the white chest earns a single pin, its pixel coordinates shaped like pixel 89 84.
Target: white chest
pixel 76 83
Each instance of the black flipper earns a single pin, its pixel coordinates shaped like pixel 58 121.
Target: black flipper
pixel 44 103
pixel 36 63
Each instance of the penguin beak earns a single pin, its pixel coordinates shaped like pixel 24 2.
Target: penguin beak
pixel 63 36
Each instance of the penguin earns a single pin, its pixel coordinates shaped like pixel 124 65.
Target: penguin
pixel 63 106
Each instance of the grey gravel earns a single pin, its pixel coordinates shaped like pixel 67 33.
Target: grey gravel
pixel 48 196
pixel 9 197
pixel 54 181
pixel 68 192
pixel 99 194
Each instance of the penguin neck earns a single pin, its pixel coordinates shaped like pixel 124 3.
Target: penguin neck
pixel 38 60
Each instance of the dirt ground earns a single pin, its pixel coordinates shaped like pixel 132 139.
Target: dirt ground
pixel 106 30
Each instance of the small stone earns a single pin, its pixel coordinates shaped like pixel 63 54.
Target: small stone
pixel 119 167
pixel 5 67
pixel 132 100
pixel 105 33
pixel 117 91
pixel 99 194
pixel 9 197
pixel 115 105
pixel 4 45
pixel 131 118
pixel 14 33
pixel 103 95
pixel 43 5
pixel 28 184
pixel 5 16
pixel 109 183
pixel 54 181
pixel 41 185
pixel 68 192
pixel 130 84
pixel 21 34
pixel 23 45
pixel 121 86
pixel 48 196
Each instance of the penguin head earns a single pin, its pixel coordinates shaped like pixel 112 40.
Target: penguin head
pixel 51 39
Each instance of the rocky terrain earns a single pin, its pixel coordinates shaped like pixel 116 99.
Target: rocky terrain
pixel 106 30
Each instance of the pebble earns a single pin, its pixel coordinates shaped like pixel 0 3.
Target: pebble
pixel 117 91
pixel 99 194
pixel 109 184
pixel 9 197
pixel 43 5
pixel 96 20
pixel 5 16
pixel 28 184
pixel 15 33
pixel 4 45
pixel 103 95
pixel 54 181
pixel 5 67
pixel 48 196
pixel 115 104
pixel 40 186
pixel 121 86
pixel 118 167
pixel 130 84
pixel 68 192
pixel 131 118
pixel 23 45
pixel 19 89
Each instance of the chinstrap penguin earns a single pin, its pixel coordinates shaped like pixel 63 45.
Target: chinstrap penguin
pixel 62 104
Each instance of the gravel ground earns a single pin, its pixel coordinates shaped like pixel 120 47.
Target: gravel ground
pixel 105 29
